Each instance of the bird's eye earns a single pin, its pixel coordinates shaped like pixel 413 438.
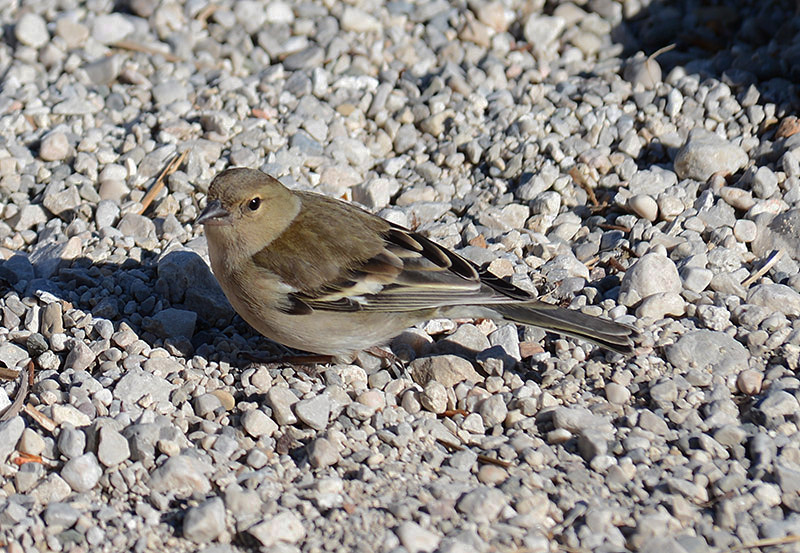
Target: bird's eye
pixel 254 204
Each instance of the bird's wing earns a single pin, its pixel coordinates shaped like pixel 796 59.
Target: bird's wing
pixel 409 273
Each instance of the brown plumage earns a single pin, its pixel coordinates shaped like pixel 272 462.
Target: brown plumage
pixel 321 275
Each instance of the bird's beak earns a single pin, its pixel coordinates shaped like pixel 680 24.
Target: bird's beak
pixel 214 214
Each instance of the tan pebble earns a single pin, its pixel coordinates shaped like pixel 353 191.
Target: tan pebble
pixel 225 398
pixel 372 398
pixel 749 382
pixel 737 197
pixel 492 474
pixel 788 126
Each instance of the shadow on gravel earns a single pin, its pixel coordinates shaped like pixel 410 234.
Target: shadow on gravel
pixel 742 43
pixel 162 301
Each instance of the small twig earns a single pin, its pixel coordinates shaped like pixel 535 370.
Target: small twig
pixel 454 412
pixel 23 458
pixel 580 179
pixel 137 47
pixel 768 542
pixel 44 421
pixel 22 393
pixel 606 226
pixel 205 13
pixel 172 166
pixel 8 374
pixel 660 51
pixel 485 459
pixel 616 264
pixel 590 263
pixel 481 457
pixel 775 256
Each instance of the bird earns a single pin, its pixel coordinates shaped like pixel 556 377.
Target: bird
pixel 324 276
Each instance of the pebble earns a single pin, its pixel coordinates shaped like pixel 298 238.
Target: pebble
pixel 110 28
pixel 661 304
pixel 493 410
pixel 448 370
pixel 54 147
pixel 258 424
pixel 281 401
pixel 31 30
pixel 61 515
pixel 284 527
pixel 416 539
pixel 82 473
pixel 10 433
pixel 617 394
pixel 705 154
pixel 542 30
pixel 482 504
pixel 181 476
pixel 80 356
pixel 173 323
pixel 749 382
pixel 776 298
pixel 434 397
pixel 205 522
pixel 112 447
pixel 322 453
pixel 314 412
pixel 714 351
pixel 644 206
pixel 71 441
pixel 651 274
pixel 30 442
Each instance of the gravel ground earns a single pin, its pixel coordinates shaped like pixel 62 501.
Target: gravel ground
pixel 536 137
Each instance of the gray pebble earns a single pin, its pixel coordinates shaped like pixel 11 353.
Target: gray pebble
pixel 434 397
pixel 10 433
pixel 493 410
pixel 82 473
pixel 205 522
pixel 80 356
pixel 416 539
pixel 710 350
pixel 322 453
pixel 31 30
pixel 776 298
pixel 140 228
pixel 173 323
pixel 54 147
pixel 61 515
pixel 257 423
pixel 705 153
pixel 71 441
pixel 482 504
pixel 651 274
pixel 137 383
pixel 314 411
pixel 181 476
pixel 284 527
pixel 112 447
pixel 281 400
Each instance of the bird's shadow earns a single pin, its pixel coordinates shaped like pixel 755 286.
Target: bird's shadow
pixel 158 298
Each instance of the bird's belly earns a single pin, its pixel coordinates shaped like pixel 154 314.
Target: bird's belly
pixel 323 332
pixel 332 333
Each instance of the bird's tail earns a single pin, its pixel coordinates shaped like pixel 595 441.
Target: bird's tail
pixel 608 334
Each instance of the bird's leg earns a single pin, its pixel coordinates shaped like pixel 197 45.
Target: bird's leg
pixel 381 353
pixel 288 358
